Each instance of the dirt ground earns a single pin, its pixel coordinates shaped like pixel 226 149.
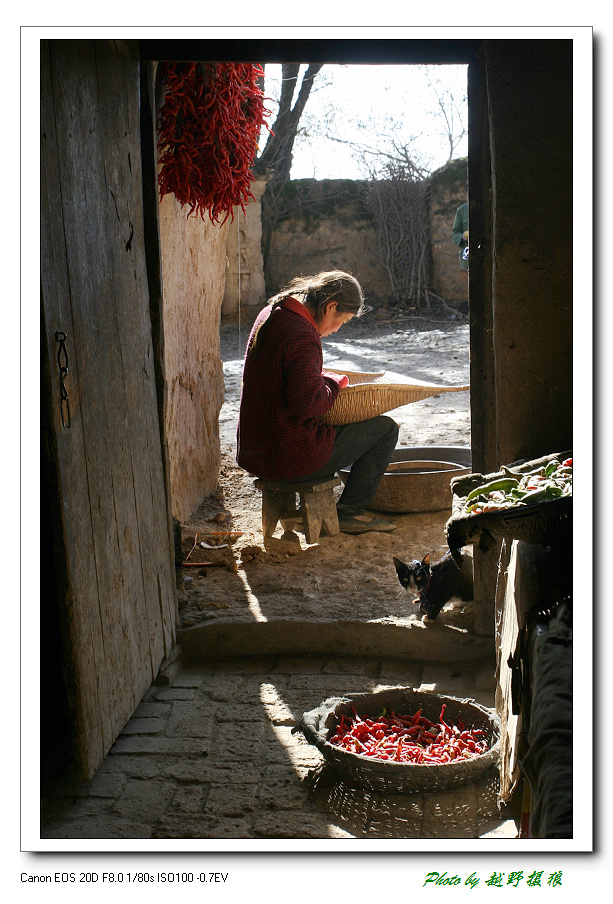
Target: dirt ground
pixel 345 576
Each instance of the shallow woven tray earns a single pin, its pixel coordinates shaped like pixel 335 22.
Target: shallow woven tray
pixel 369 395
pixel 545 523
pixel 398 778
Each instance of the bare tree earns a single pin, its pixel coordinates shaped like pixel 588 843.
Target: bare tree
pixel 275 162
pixel 398 201
pixel 397 177
pixel 438 98
pixel 276 158
pixel 450 109
pixel 398 190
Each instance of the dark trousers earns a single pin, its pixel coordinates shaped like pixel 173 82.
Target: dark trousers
pixel 368 447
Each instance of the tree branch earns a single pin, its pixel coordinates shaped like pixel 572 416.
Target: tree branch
pixel 276 158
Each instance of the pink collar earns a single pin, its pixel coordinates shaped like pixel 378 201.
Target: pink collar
pixel 292 304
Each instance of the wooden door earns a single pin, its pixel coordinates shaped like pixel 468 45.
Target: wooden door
pixel 114 563
pixel 482 379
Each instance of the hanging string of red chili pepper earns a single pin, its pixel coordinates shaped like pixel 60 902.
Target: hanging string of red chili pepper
pixel 208 132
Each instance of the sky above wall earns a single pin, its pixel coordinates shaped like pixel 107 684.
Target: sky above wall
pixel 374 106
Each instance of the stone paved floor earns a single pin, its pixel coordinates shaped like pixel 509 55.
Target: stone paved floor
pixel 210 754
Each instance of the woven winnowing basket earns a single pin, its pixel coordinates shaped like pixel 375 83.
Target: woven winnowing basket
pixel 369 395
pixel 392 777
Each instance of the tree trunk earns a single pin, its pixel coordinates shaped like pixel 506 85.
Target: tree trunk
pixel 277 155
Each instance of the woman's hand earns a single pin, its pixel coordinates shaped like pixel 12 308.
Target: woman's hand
pixel 341 379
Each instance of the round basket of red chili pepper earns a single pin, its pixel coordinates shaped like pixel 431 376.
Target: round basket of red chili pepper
pixel 399 740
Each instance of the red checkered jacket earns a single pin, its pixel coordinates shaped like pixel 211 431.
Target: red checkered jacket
pixel 284 393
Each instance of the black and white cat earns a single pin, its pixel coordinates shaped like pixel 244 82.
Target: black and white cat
pixel 438 583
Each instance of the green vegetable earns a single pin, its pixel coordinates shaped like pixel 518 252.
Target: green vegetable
pixel 541 494
pixel 549 481
pixel 504 484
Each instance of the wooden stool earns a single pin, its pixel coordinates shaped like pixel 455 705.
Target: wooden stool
pixel 316 507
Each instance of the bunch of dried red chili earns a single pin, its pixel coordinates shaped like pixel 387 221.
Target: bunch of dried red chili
pixel 409 739
pixel 208 135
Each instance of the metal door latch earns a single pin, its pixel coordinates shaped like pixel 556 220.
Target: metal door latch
pixel 62 363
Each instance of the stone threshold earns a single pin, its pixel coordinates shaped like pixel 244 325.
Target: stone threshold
pixel 233 638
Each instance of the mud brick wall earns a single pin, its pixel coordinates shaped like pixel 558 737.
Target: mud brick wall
pixel 331 228
pixel 193 273
pixel 448 192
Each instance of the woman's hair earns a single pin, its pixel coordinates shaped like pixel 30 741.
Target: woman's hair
pixel 318 290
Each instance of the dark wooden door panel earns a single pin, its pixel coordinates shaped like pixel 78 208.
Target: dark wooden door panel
pixel 120 593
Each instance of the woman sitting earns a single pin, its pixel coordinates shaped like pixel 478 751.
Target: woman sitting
pixel 285 392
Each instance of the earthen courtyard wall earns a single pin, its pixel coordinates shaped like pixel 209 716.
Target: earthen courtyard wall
pixel 330 227
pixel 193 276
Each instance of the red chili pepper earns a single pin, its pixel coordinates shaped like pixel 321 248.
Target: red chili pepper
pixel 404 738
pixel 214 111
